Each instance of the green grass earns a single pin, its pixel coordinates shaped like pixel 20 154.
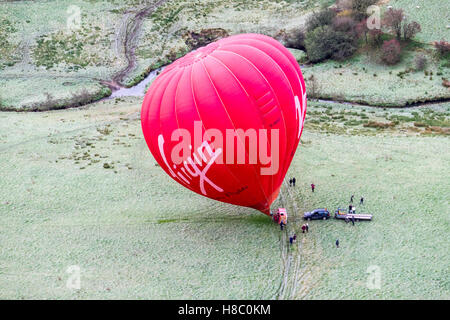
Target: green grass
pixel 364 80
pixel 405 186
pixel 32 49
pixel 356 120
pixel 433 16
pixel 135 233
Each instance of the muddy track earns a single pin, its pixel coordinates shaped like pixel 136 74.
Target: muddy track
pixel 290 255
pixel 297 278
pixel 127 38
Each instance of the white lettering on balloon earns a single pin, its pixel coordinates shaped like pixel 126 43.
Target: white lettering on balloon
pixel 299 114
pixel 192 168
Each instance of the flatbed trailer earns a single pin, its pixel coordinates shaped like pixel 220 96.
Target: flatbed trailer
pixel 340 214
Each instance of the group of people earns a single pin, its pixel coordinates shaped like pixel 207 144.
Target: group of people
pixel 292 184
pixel 361 201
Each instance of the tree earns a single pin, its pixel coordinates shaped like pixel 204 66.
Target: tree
pixel 325 42
pixel 393 19
pixel 312 86
pixel 317 44
pixel 410 29
pixel 319 19
pixel 343 44
pixel 362 29
pixel 391 51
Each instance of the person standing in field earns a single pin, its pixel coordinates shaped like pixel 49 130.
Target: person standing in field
pixel 337 243
pixel 307 227
pixel 281 225
pixel 291 240
pixel 295 237
pixel 290 182
pixel 351 198
pixel 313 186
pixel 353 220
pixel 293 181
pixel 303 228
pixel 361 201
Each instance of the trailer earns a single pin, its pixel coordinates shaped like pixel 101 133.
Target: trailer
pixel 341 214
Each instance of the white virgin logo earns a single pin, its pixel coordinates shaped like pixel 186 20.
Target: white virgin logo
pixel 192 168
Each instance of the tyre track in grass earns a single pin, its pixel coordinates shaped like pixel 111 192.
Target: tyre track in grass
pixel 289 254
pixel 127 38
pixel 297 279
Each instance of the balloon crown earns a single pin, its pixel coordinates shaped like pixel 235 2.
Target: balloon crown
pixel 195 56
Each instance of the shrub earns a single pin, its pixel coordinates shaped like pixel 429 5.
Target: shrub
pixel 420 62
pixel 391 51
pixel 292 39
pixel 316 43
pixel 344 45
pixel 312 86
pixel 410 29
pixel 379 125
pixel 320 19
pixel 344 24
pixel 443 47
pixel 376 36
pixel 446 83
pixel 324 42
pixel 344 5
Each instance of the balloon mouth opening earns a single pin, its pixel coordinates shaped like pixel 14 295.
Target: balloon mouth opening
pixel 263 208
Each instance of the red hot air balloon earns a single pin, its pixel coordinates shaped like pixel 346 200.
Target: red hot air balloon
pixel 225 120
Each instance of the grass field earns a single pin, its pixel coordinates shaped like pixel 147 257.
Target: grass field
pixel 433 29
pixel 363 80
pixel 115 45
pixel 79 187
pixel 133 232
pixel 403 183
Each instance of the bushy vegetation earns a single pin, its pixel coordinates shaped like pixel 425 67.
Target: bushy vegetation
pixel 60 48
pixel 391 51
pixel 7 47
pixel 329 36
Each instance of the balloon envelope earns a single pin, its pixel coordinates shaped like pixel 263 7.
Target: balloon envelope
pixel 226 119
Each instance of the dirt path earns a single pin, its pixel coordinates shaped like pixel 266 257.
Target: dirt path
pixel 298 277
pixel 127 38
pixel 291 255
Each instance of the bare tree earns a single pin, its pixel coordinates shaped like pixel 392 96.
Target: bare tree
pixel 362 29
pixel 313 87
pixel 410 29
pixel 393 19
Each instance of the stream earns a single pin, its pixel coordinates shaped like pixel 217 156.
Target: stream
pixel 137 90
